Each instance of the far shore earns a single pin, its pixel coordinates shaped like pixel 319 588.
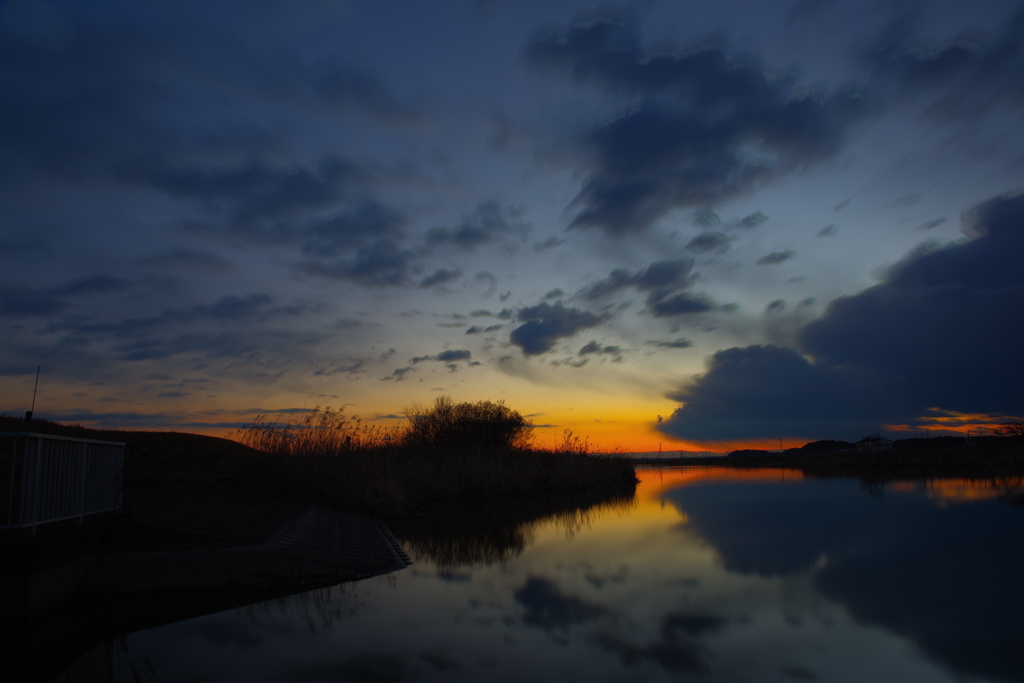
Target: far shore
pixel 972 463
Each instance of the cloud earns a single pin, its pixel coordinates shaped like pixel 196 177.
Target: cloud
pixel 556 293
pixel 934 223
pixel 492 283
pixel 94 284
pixel 187 259
pixel 381 264
pixel 449 356
pixel 439 278
pixel 593 348
pixel 776 257
pixel 662 280
pixel 941 332
pixel 550 609
pixel 708 241
pixel 474 329
pixel 100 88
pixel 964 76
pixel 544 324
pixel 21 302
pixel 676 650
pixel 488 223
pixel 660 277
pixel 351 369
pixel 681 304
pixel 709 125
pixel 398 374
pixel 681 343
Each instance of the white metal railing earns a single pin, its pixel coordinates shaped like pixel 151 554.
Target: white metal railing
pixel 57 478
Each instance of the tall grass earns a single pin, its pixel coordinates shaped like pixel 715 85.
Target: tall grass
pixel 331 459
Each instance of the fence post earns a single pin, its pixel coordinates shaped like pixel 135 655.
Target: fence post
pixel 81 475
pixel 35 487
pixel 10 493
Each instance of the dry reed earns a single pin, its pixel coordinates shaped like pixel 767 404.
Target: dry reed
pixel 328 458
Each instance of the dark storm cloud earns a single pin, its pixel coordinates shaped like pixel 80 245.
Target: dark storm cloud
pixel 439 278
pixel 490 222
pixel 710 125
pixel 544 324
pixel 941 332
pixel 770 391
pixel 970 296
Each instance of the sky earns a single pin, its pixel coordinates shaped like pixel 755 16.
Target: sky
pixel 686 225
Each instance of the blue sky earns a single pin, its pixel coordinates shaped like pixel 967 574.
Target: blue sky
pixel 693 223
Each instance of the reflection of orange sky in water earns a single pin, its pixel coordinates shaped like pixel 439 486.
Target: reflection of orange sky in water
pixel 959 490
pixel 656 481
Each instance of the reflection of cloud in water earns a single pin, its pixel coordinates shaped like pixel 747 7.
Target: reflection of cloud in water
pixel 550 609
pixel 676 650
pixel 897 561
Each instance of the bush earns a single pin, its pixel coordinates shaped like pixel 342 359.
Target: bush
pixel 451 451
pixel 467 428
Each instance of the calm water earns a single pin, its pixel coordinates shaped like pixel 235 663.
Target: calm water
pixel 708 574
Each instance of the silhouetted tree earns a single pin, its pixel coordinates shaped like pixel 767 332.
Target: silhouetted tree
pixel 481 427
pixel 1014 428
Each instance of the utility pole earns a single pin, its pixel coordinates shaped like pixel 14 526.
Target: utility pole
pixel 28 413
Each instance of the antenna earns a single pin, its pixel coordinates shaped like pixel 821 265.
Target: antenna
pixel 28 415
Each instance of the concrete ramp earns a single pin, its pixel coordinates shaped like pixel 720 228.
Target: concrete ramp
pixel 188 540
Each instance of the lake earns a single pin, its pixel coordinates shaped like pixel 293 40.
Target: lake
pixel 708 573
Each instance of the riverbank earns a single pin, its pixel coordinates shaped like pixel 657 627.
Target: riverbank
pixel 378 479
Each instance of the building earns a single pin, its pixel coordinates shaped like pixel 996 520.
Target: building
pixel 874 444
